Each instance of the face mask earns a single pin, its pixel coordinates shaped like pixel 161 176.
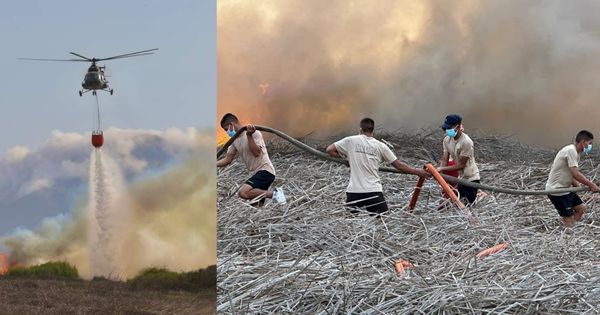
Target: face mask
pixel 587 149
pixel 451 133
pixel 231 133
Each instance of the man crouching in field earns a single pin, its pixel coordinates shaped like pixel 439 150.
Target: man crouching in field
pixel 251 149
pixel 364 154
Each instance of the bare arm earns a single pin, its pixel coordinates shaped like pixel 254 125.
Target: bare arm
pixel 444 160
pixel 403 167
pixel 226 160
pixel 578 176
pixel 333 152
pixel 460 164
pixel 254 149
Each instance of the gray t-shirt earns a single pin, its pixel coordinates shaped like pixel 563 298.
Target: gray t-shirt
pixel 364 156
pixel 254 164
pixel 463 147
pixel 560 174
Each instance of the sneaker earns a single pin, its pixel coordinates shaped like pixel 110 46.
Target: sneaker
pixel 278 196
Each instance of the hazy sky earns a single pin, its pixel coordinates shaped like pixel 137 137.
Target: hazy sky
pixel 175 87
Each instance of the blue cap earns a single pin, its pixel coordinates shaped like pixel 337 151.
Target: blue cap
pixel 451 121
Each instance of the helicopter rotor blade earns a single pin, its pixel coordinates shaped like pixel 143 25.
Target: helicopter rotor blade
pixel 121 57
pixel 133 54
pixel 80 56
pixel 38 59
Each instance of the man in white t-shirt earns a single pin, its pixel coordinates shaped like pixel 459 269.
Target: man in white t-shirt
pixel 250 148
pixel 364 154
pixel 459 146
pixel 565 173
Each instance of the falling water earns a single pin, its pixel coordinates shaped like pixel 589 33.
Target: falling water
pixel 109 217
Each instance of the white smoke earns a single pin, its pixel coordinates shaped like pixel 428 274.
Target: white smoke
pixel 34 185
pixel 16 154
pixel 157 202
pixel 522 67
pixel 64 159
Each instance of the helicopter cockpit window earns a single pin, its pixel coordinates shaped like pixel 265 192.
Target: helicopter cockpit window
pixel 91 77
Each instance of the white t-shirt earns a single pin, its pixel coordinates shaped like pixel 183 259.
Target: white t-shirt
pixel 240 148
pixel 463 147
pixel 560 174
pixel 364 156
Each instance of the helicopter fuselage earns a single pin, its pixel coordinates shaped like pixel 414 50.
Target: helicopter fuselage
pixel 94 80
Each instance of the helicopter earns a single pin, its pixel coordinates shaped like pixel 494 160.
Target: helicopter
pixel 95 78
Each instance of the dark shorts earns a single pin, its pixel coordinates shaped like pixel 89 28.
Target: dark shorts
pixel 375 202
pixel 565 204
pixel 467 192
pixel 261 180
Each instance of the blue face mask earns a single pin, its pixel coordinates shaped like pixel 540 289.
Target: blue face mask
pixel 451 133
pixel 231 133
pixel 587 149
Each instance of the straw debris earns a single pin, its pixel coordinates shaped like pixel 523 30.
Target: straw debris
pixel 311 256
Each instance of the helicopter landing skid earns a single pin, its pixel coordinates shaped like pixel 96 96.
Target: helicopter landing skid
pixel 81 92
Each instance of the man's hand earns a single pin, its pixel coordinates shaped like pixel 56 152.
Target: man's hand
pixel 333 152
pixel 423 173
pixel 250 129
pixel 578 176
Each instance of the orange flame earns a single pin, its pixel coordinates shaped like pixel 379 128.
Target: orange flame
pixel 3 264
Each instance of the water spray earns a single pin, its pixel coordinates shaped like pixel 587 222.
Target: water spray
pixel 109 217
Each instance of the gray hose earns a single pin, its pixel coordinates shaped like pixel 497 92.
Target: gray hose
pixel 450 179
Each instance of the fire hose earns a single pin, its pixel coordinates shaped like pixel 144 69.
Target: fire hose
pixel 451 179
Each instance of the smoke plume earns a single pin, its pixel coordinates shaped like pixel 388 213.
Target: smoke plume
pixel 518 67
pixel 161 213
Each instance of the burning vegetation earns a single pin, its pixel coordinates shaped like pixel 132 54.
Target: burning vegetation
pixel 3 264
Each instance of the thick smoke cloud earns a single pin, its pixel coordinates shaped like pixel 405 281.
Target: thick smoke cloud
pixel 171 187
pixel 518 67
